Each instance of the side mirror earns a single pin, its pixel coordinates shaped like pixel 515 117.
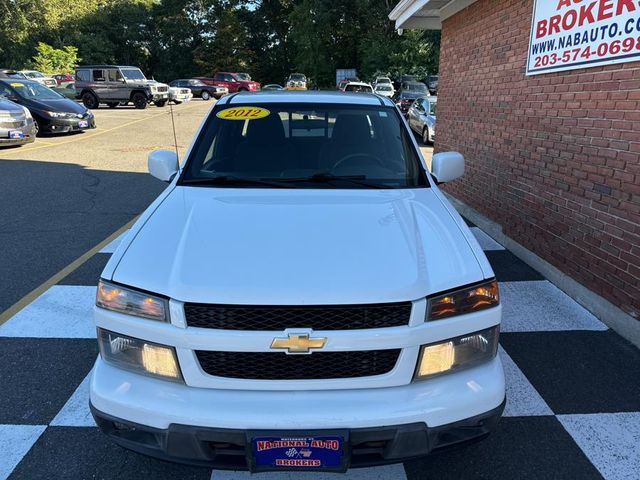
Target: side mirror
pixel 163 164
pixel 447 166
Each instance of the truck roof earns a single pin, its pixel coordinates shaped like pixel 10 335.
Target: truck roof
pixel 279 96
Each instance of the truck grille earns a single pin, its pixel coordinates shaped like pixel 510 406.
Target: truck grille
pixel 161 89
pixel 280 366
pixel 317 317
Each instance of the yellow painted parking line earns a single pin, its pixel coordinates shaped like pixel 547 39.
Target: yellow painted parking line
pixel 36 292
pixel 87 136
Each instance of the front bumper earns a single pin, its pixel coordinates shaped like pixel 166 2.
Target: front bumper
pixel 28 131
pixel 182 97
pixel 65 125
pixel 178 414
pixel 159 96
pixel 229 449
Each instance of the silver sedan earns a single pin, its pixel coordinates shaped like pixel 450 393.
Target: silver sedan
pixel 422 118
pixel 16 124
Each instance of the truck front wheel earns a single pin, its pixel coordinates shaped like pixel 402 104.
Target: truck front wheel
pixel 139 100
pixel 160 103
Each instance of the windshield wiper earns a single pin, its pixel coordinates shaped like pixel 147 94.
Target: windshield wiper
pixel 233 180
pixel 324 177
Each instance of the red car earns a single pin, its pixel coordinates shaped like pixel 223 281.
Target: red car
pixel 64 78
pixel 231 81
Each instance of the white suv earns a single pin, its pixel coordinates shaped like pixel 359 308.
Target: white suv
pixel 302 296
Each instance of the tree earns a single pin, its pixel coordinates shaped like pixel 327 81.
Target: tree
pixel 53 60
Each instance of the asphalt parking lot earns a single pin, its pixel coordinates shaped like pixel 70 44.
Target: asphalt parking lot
pixel 573 406
pixel 64 194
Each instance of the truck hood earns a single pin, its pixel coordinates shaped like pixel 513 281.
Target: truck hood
pixel 297 247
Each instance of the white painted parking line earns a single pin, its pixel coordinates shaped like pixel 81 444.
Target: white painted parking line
pixel 113 245
pixel 540 306
pixel 63 311
pixel 485 241
pixel 15 442
pixel 611 441
pixel 75 412
pixel 523 399
pixel 387 472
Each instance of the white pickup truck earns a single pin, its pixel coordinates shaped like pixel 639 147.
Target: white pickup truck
pixel 301 297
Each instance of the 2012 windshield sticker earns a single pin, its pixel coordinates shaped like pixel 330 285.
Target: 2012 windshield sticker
pixel 243 113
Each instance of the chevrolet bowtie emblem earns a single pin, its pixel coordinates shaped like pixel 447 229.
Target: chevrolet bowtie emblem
pixel 298 343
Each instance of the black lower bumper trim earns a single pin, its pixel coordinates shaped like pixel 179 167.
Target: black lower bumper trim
pixel 226 449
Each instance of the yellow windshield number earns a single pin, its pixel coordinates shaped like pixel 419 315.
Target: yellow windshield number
pixel 17 84
pixel 243 113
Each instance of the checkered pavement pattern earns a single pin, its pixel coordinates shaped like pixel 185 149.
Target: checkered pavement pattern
pixel 573 394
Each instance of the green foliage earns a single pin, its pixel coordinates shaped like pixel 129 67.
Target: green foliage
pixel 181 38
pixel 55 60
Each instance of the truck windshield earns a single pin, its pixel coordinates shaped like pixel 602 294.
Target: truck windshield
pixel 133 74
pixel 303 146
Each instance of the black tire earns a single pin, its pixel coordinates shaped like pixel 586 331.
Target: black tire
pixel 90 101
pixel 205 95
pixel 37 127
pixel 139 100
pixel 242 89
pixel 113 104
pixel 160 104
pixel 425 136
pixel 177 102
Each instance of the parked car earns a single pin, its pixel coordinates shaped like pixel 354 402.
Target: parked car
pixel 384 89
pixel 16 123
pixel 51 112
pixel 231 82
pixel 382 81
pixel 343 83
pixel 66 90
pixel 180 95
pixel 422 118
pixel 296 81
pixel 432 84
pixel 199 89
pixel 417 87
pixel 8 73
pixel 358 87
pixel 64 78
pixel 309 287
pixel 114 85
pixel 404 99
pixel 272 86
pixel 39 77
pixel 404 78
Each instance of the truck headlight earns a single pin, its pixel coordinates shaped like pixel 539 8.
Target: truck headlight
pixel 457 353
pixel 139 355
pixel 465 300
pixel 131 302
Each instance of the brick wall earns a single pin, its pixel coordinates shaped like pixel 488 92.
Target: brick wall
pixel 555 158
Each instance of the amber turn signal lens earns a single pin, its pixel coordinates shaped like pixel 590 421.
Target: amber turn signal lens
pixel 467 300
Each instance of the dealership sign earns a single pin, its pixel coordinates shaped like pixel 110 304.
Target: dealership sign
pixel 570 34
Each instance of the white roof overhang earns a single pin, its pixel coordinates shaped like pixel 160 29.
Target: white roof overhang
pixel 425 14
